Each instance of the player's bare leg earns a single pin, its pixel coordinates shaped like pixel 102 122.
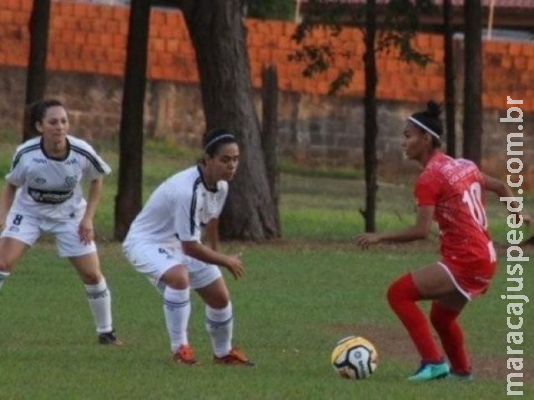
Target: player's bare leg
pixel 10 252
pixel 433 281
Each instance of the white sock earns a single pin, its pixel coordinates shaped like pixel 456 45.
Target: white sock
pixel 177 308
pixel 3 278
pixel 220 326
pixel 100 303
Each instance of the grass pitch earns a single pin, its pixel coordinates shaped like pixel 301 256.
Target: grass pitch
pixel 299 296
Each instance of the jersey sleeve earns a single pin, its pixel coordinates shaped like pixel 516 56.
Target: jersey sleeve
pixel 94 165
pixel 426 191
pixel 186 218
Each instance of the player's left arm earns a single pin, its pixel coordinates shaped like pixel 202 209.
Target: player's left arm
pixel 419 231
pixel 86 228
pixel 501 189
pixel 212 233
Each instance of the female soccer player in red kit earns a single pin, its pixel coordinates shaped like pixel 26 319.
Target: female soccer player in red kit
pixel 452 192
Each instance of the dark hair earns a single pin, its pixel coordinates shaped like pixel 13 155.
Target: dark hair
pixel 430 121
pixel 37 111
pixel 215 138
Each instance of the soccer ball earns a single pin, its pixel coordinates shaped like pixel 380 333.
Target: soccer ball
pixel 354 357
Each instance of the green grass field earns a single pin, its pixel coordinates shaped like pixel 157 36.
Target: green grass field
pixel 299 296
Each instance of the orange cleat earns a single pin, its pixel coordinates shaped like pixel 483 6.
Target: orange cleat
pixel 235 357
pixel 184 355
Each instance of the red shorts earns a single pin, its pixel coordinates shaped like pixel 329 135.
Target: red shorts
pixel 470 278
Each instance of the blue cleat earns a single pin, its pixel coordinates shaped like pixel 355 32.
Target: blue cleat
pixel 430 371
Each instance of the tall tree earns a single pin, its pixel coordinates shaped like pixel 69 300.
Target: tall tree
pixel 472 125
pixel 370 123
pixel 128 201
pixel 218 34
pixel 397 25
pixel 36 74
pixel 450 78
pixel 269 138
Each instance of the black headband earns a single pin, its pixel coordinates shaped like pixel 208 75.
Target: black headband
pixel 217 139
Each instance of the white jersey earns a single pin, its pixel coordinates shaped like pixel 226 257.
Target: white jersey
pixel 50 187
pixel 178 209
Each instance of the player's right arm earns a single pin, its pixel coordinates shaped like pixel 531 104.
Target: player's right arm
pixel 8 195
pixel 187 228
pixel 202 252
pixel 418 231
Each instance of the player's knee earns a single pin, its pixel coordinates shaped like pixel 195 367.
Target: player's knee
pixel 5 266
pixel 177 281
pixel 217 298
pixel 440 318
pixel 91 277
pixel 176 278
pixel 438 323
pixel 219 302
pixel 402 289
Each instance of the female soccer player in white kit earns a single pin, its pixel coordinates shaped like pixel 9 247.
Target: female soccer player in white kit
pixel 42 193
pixel 164 243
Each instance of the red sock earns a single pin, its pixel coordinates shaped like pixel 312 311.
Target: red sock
pixel 402 295
pixel 452 337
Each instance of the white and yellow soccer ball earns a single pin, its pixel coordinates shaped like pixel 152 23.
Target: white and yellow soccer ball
pixel 354 357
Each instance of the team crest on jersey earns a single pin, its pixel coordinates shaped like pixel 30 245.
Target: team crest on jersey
pixel 70 182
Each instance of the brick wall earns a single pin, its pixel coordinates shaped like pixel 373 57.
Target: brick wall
pixel 91 38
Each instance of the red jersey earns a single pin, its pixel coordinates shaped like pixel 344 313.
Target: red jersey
pixel 456 188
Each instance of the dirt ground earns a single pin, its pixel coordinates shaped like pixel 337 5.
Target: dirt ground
pixel 396 344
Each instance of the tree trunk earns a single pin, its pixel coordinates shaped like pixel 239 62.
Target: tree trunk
pixel 128 201
pixel 473 81
pixel 36 74
pixel 218 35
pixel 370 123
pixel 450 78
pixel 270 134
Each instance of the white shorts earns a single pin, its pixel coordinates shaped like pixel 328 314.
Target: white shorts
pixel 28 229
pixel 153 260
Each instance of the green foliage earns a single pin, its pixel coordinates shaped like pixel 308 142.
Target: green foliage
pixel 289 168
pixel 272 9
pixel 397 24
pixel 402 22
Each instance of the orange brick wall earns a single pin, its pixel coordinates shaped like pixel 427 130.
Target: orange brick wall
pixel 92 39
